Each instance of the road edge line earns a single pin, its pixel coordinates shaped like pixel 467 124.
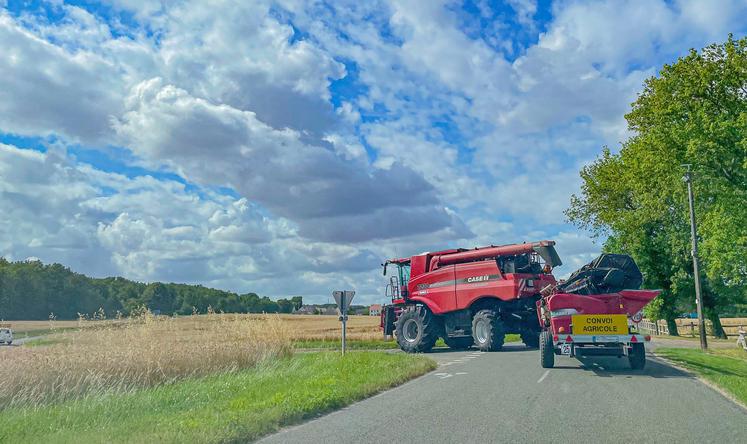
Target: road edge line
pixel 704 381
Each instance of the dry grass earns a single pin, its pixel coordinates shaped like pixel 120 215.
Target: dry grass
pixel 120 356
pixel 25 326
pixel 304 327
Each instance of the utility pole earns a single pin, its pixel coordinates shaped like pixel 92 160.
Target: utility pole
pixel 696 271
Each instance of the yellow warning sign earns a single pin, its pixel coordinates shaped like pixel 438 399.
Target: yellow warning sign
pixel 616 324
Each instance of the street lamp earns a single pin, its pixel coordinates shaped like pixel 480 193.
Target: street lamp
pixel 696 272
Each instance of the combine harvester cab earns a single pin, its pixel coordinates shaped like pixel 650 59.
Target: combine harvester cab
pixel 594 312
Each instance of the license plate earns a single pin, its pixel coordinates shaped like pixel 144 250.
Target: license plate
pixel 600 324
pixel 565 349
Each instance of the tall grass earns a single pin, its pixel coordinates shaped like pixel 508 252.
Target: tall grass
pixel 143 351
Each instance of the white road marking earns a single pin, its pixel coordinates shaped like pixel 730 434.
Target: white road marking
pixel 460 373
pixel 441 374
pixel 448 375
pixel 544 375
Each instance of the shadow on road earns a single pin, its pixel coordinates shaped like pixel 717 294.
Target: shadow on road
pixel 511 347
pixel 607 367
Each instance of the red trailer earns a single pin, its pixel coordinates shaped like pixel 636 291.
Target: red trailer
pixel 594 313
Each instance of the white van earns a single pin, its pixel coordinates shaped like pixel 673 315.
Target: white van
pixel 6 336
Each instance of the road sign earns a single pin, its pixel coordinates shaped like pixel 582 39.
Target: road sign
pixel 600 324
pixel 637 318
pixel 343 299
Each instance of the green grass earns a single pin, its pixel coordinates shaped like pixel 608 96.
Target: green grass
pixel 725 368
pixel 371 344
pixel 42 332
pixel 351 345
pixel 44 341
pixel 236 407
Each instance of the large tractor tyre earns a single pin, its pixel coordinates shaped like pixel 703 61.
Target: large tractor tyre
pixel 530 338
pixel 461 343
pixel 637 357
pixel 488 331
pixel 416 330
pixel 547 351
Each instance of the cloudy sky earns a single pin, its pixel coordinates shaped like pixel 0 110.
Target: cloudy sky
pixel 287 147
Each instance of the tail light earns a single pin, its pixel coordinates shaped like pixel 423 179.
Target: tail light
pixel 647 338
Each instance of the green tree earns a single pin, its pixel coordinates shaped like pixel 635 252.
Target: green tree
pixel 32 290
pixel 297 302
pixel 694 112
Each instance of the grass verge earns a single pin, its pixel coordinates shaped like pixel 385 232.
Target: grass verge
pixel 352 345
pixel 372 344
pixel 722 367
pixel 231 407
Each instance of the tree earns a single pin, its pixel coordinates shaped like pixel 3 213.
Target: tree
pixel 694 112
pixel 32 290
pixel 297 302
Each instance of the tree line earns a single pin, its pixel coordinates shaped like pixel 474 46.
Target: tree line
pixel 32 290
pixel 694 112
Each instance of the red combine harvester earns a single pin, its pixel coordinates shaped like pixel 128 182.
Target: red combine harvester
pixel 468 296
pixel 591 313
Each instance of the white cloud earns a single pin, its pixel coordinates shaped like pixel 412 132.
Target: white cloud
pixel 47 90
pixel 438 139
pixel 327 195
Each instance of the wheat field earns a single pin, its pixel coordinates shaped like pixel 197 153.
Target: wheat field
pixel 115 356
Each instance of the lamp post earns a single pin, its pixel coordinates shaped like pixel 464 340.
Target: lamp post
pixel 696 272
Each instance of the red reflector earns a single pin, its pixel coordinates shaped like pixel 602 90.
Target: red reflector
pixel 555 338
pixel 647 337
pixel 568 338
pixel 633 339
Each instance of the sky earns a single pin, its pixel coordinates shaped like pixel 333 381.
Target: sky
pixel 288 147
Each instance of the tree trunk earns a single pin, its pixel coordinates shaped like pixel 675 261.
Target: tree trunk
pixel 709 304
pixel 672 326
pixel 718 329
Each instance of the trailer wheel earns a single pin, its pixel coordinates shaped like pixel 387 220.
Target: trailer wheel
pixel 416 330
pixel 460 343
pixel 530 338
pixel 488 331
pixel 637 356
pixel 547 350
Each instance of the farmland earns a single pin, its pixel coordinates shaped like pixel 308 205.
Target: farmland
pixel 107 371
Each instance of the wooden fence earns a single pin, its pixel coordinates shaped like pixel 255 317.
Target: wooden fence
pixel 689 327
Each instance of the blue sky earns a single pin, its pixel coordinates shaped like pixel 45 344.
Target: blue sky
pixel 287 147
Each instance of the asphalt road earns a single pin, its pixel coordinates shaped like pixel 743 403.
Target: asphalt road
pixel 508 397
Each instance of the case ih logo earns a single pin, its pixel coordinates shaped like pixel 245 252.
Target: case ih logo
pixel 469 280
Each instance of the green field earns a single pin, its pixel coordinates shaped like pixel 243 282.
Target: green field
pixel 236 407
pixel 725 368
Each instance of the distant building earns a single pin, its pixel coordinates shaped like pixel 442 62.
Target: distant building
pixel 307 310
pixel 329 311
pixel 374 310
